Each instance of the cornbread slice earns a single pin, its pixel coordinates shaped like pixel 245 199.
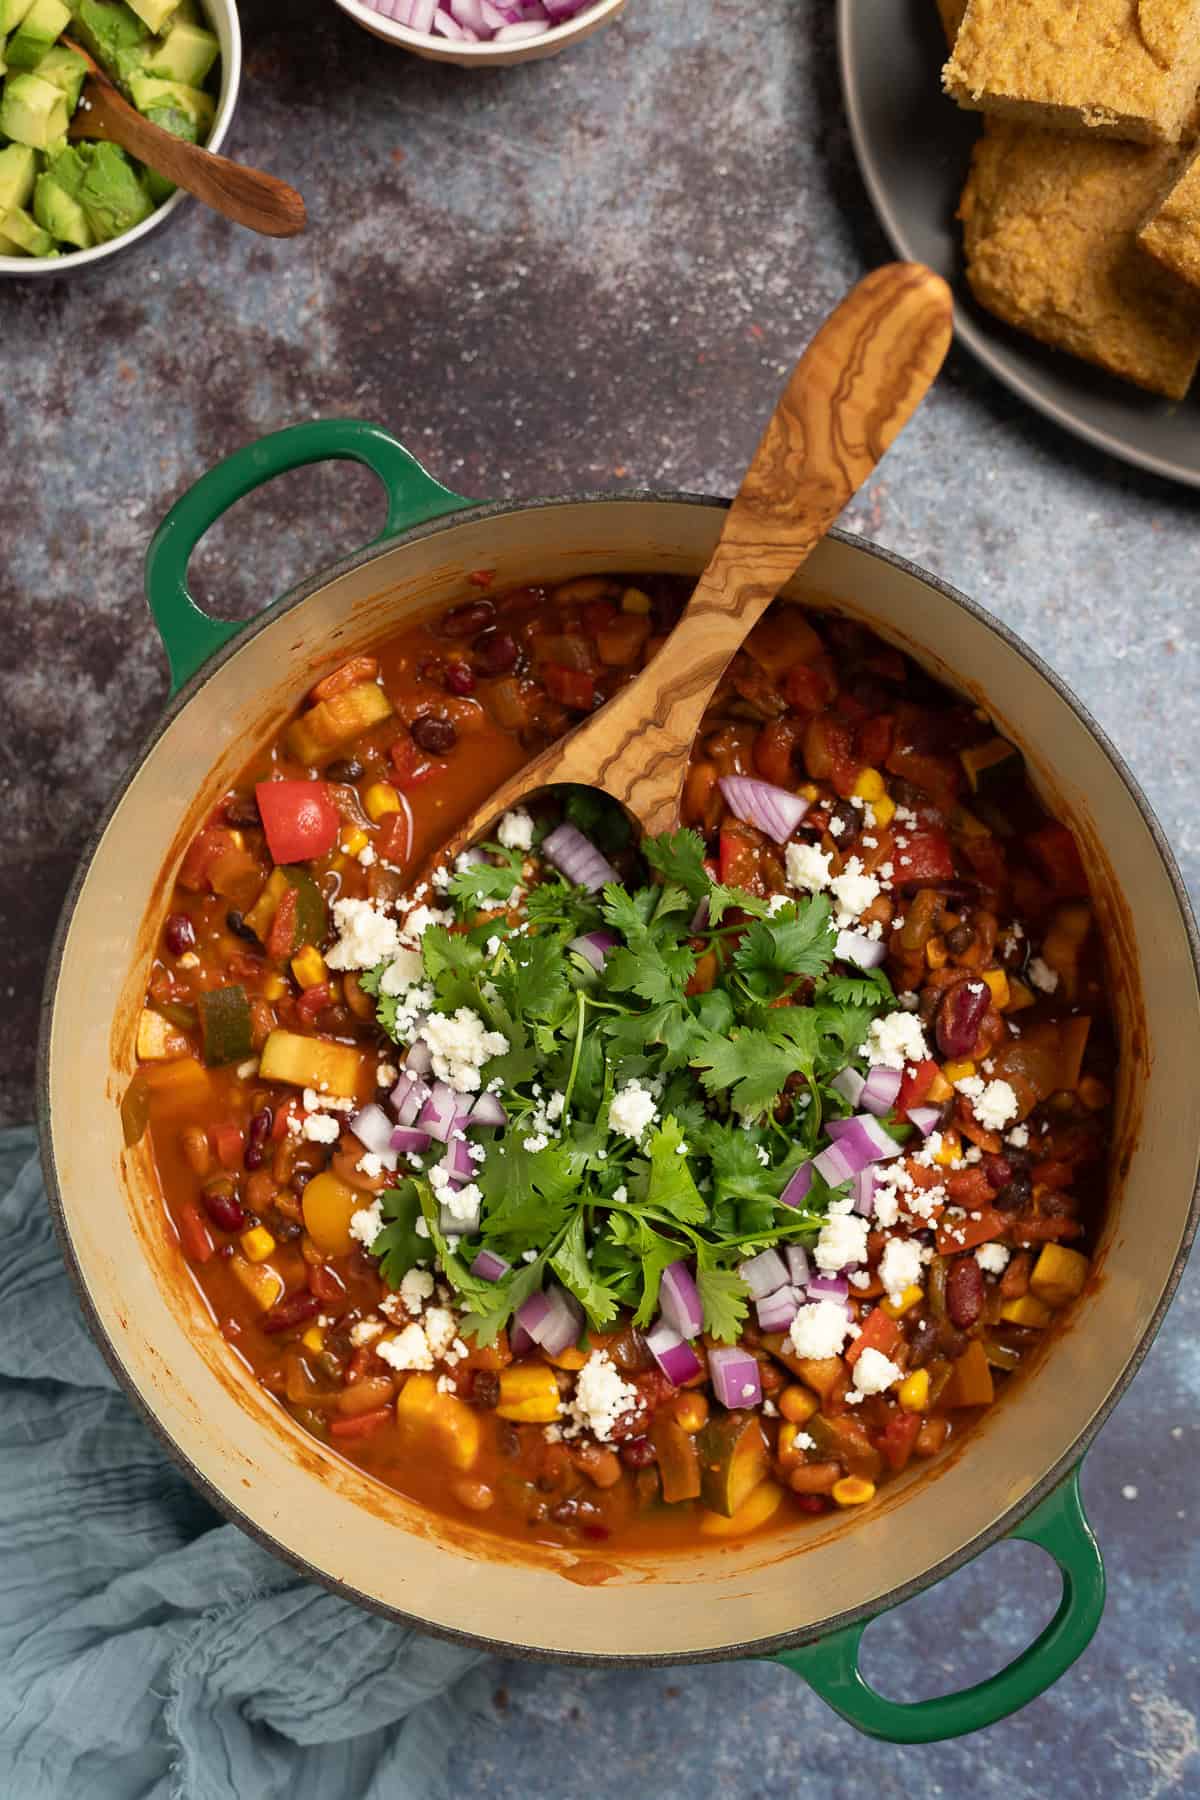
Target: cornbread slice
pixel 1118 68
pixel 1171 231
pixel 952 17
pixel 1049 228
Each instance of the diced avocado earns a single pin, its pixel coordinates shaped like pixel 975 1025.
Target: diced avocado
pixel 187 54
pixel 112 194
pixel 106 28
pixel 11 14
pixel 64 69
pixel 39 31
pixel 733 1460
pixel 32 111
pixel 10 247
pixel 150 94
pixel 188 13
pixel 69 168
pixel 23 229
pixel 60 215
pixel 18 166
pixel 155 13
pixel 157 186
pixel 179 124
pixel 128 63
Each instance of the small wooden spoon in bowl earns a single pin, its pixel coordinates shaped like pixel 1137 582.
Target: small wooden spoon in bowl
pixel 247 196
pixel 852 391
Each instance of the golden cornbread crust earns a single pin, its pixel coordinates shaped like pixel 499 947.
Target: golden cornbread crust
pixel 952 17
pixel 1048 228
pixel 1116 68
pixel 1171 232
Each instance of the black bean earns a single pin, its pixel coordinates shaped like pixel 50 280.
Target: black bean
pixel 241 810
pixel 237 924
pixel 485 1388
pixel 346 769
pixel 848 821
pixel 922 1344
pixel 433 734
pixel 1017 1194
pixel 959 941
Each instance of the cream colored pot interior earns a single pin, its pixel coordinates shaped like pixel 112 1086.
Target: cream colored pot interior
pixel 345 1526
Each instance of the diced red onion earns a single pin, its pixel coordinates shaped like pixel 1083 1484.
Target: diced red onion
pixel 419 1058
pixel 519 1340
pixel 777 1311
pixel 828 1287
pixel 763 1274
pixel 488 1111
pixel 797 1188
pixel 864 1191
pixel 796 1257
pixel 735 1377
pixel 556 1322
pixel 773 809
pixel 575 856
pixel 532 1314
pixel 679 1298
pixel 373 1129
pixel 443 1110
pixel 836 1164
pixel 408 1097
pixel 857 948
pixel 849 1084
pixel 449 27
pixel 677 1360
pixel 700 916
pixel 863 1138
pixel 594 946
pixel 470 14
pixel 409 1141
pixel 490 1267
pixel 880 1090
pixel 520 34
pixel 458 1161
pixel 925 1118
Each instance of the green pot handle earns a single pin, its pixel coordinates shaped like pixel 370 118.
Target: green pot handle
pixel 189 635
pixel 1060 1526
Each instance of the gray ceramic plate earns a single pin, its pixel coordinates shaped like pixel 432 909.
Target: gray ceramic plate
pixel 913 146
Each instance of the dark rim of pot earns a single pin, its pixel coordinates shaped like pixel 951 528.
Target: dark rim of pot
pixel 221 1503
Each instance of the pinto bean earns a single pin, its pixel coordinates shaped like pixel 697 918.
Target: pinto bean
pixel 960 1015
pixel 814 1478
pixel 964 1292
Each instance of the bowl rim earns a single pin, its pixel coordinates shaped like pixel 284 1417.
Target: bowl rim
pixel 463 52
pixel 227 1507
pixel 231 81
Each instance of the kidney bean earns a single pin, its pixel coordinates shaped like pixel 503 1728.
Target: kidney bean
pixel 260 1131
pixel 433 734
pixel 292 1311
pixel 467 620
pixel 811 1503
pixel 964 1292
pixel 495 651
pixel 224 1208
pixel 345 769
pixel 998 1170
pixel 180 934
pixel 459 678
pixel 241 811
pixel 638 1453
pixel 960 1016
pixel 959 941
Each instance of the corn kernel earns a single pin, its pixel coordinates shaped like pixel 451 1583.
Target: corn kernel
pixel 936 953
pixel 1026 1311
pixel 997 980
pixel 528 1394
pixel 308 966
pixel 869 785
pixel 785 1444
pixel 274 987
pixel 896 1309
pixel 914 1391
pixel 808 791
pixel 949 1150
pixel 797 1404
pixel 354 840
pixel 239 842
pixel 939 1090
pixel 314 1339
pixel 257 1243
pixel 380 799
pixel 851 1490
pixel 884 809
pixel 961 1070
pixel 634 601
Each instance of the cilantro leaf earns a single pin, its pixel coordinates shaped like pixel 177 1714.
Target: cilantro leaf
pixel 527 1192
pixel 724 1298
pixel 493 1303
pixel 671 1188
pixel 796 941
pixel 484 884
pixel 444 952
pixel 871 988
pixel 751 1065
pixel 679 856
pixel 570 1263
pixel 398 1246
pixel 726 899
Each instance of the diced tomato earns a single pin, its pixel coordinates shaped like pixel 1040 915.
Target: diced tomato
pixel 873 739
pixel 927 856
pixel 325 1284
pixel 954 1233
pixel 313 1001
pixel 394 843
pixel 570 687
pixel 365 1425
pixel 774 749
pixel 809 687
pixel 279 1124
pixel 281 938
pixel 228 1142
pixel 1057 854
pixel 739 858
pixel 878 1333
pixel 915 1083
pixel 897 1438
pixel 411 766
pixel 206 850
pixel 970 1188
pixel 194 1234
pixel 299 818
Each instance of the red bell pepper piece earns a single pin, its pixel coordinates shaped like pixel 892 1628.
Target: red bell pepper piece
pixel 897 1439
pixel 873 739
pixel 926 856
pixel 878 1333
pixel 967 1233
pixel 570 687
pixel 281 938
pixel 915 1083
pixel 299 818
pixel 1057 854
pixel 228 1142
pixel 194 1234
pixel 365 1425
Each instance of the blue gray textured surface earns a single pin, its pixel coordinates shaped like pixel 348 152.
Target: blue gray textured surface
pixel 593 273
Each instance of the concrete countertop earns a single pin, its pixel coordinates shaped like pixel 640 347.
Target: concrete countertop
pixel 594 273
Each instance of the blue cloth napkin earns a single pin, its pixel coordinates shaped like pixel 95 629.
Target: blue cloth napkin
pixel 148 1651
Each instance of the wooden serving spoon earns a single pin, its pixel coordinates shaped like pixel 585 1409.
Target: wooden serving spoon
pixel 855 387
pixel 247 196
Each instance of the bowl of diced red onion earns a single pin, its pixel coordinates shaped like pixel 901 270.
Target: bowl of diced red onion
pixel 470 32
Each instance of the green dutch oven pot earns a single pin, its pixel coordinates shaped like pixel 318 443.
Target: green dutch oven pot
pixel 802 1597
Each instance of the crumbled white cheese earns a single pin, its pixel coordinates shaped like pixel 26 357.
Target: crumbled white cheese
pixel 602 1397
pixel 874 1372
pixel 387 1075
pixel 854 891
pixel 316 1102
pixel 994 1103
pixel 1042 975
pixel 819 1330
pixel 807 867
pixel 365 1332
pixel 461 1043
pixel 366 856
pixel 899 1266
pixel 462 1203
pixel 367 1223
pixel 409 1349
pixel 320 1128
pixel 620 1195
pixel 843 1241
pixel 419 920
pixel 441 1328
pixel 1018 1137
pixel 365 936
pixel 895 1040
pixel 516 830
pixel 371 1165
pixel 992 1258
pixel 405 968
pixel 632 1110
pixel 415 1288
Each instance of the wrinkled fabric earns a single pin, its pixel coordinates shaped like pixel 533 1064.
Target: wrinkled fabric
pixel 147 1650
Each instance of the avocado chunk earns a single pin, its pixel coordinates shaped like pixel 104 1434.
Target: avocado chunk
pixel 32 111
pixel 26 233
pixel 154 13
pixel 18 166
pixel 113 196
pixel 733 1460
pixel 69 168
pixel 64 69
pixel 107 28
pixel 187 54
pixel 11 14
pixel 150 95
pixel 60 215
pixel 40 29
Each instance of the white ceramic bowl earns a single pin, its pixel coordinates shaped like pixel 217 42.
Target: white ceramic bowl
pixel 472 56
pixel 223 15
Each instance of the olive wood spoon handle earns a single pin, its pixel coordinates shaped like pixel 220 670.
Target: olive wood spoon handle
pixel 852 391
pixel 247 196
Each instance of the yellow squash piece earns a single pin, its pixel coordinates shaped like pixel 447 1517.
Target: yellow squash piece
pixel 896 1309
pixel 325 727
pixel 424 1411
pixel 158 1040
pixel 329 1205
pixel 308 966
pixel 754 1511
pixel 528 1394
pixel 1058 1275
pixel 970 1382
pixel 1028 1310
pixel 263 1283
pixel 311 1062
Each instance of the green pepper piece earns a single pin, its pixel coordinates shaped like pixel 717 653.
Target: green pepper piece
pixel 225 1025
pixel 312 918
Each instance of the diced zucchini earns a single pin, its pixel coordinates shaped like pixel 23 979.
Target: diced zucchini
pixel 990 764
pixel 310 1062
pixel 678 1458
pixel 325 727
pixel 158 1040
pixel 225 1025
pixel 733 1460
pixel 761 1504
pixel 312 919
